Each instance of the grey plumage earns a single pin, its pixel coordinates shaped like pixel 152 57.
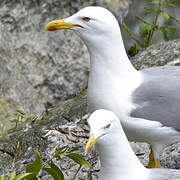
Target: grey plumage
pixel 158 98
pixel 164 174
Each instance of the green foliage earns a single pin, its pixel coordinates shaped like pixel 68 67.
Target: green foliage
pixel 79 159
pixel 156 8
pixel 24 176
pixel 13 176
pixel 145 29
pixel 2 177
pixel 34 168
pixel 54 171
pixel 20 117
pixel 64 151
pixel 69 152
pixel 12 122
pixel 60 151
pixel 133 50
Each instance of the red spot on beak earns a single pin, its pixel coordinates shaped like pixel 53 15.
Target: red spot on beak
pixel 52 29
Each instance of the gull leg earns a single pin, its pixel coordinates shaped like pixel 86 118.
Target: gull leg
pixel 153 163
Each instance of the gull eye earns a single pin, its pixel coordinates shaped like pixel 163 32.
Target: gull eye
pixel 108 126
pixel 87 19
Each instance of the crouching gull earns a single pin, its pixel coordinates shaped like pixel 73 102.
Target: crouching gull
pixel 118 161
pixel 147 101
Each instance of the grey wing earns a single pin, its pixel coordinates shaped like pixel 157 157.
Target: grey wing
pixel 158 97
pixel 164 174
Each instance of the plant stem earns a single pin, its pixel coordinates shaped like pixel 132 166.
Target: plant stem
pixel 132 35
pixel 144 21
pixel 81 166
pixel 174 18
pixel 149 39
pixel 77 172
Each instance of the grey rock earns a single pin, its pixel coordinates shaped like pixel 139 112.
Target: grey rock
pixel 160 54
pixel 40 69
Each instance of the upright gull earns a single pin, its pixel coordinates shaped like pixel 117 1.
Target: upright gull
pixel 147 101
pixel 118 161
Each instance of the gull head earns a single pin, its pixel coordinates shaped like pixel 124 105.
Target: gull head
pixel 103 125
pixel 91 23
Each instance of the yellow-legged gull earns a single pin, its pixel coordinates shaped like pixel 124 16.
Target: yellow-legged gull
pixel 118 161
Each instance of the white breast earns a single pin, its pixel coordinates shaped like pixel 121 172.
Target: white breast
pixel 112 92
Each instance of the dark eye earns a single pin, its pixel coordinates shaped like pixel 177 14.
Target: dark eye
pixel 87 19
pixel 108 126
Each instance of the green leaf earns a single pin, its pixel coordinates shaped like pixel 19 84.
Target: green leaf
pixel 152 10
pixel 79 159
pixel 156 1
pixel 36 166
pixel 166 16
pixel 72 149
pixel 14 120
pixel 2 177
pixel 168 3
pixel 144 30
pixel 12 176
pixel 31 118
pixel 56 168
pixel 152 1
pixel 60 151
pixel 25 176
pixel 54 171
pixel 169 27
pixel 18 111
pixel 165 33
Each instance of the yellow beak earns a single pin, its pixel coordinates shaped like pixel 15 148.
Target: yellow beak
pixel 59 24
pixel 91 142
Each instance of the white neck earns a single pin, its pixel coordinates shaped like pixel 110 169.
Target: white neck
pixel 110 67
pixel 118 159
pixel 108 54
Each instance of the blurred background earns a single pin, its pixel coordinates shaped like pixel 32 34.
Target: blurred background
pixel 138 9
pixel 40 69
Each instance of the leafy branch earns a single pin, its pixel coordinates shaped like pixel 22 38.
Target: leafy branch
pixel 148 28
pixel 34 168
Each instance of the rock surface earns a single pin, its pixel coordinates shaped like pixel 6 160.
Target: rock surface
pixel 40 69
pixel 161 54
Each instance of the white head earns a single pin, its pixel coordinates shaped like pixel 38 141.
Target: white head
pixel 116 155
pixel 103 125
pixel 89 23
